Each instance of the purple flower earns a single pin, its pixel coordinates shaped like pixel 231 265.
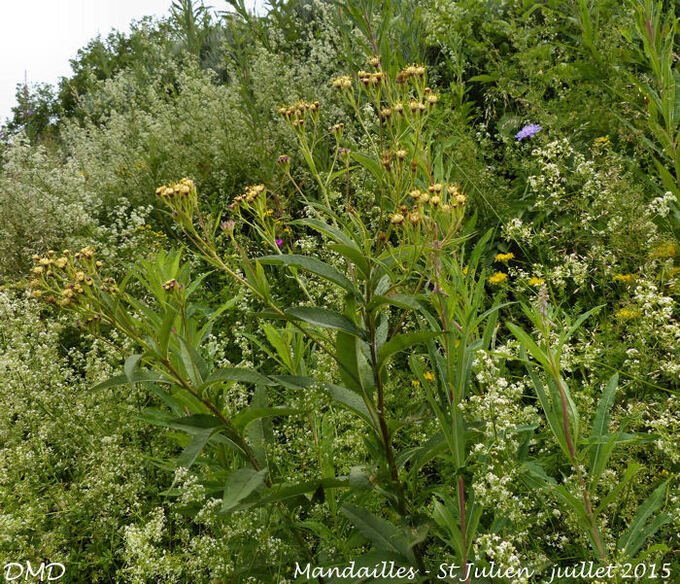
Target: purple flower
pixel 227 225
pixel 528 132
pixel 279 242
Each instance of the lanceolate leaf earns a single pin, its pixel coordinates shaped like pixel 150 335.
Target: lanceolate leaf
pixel 400 343
pixel 237 374
pixel 194 448
pixel 599 453
pixel 241 420
pixel 138 376
pixel 240 484
pixel 314 265
pixel 129 368
pixel 639 530
pixel 381 533
pixel 324 318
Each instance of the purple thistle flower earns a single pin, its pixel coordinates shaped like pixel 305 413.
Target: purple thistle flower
pixel 528 132
pixel 279 242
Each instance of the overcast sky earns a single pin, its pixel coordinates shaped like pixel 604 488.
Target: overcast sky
pixel 40 36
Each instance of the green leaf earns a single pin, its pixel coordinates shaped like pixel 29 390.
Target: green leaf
pixel 354 255
pixel 381 533
pixel 237 374
pixel 351 362
pixel 329 230
pixel 194 448
pixel 277 340
pixel 324 318
pixel 369 164
pixel 399 300
pixel 349 399
pixel 529 344
pixel 139 376
pixel 314 265
pixel 241 420
pixel 240 484
pixel 129 369
pixel 283 491
pixel 639 530
pixel 598 451
pixel 631 471
pixel 400 343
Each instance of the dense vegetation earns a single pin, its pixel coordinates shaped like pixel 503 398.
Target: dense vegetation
pixel 349 282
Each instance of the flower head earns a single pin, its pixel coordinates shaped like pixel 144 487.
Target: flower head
pixel 279 242
pixel 627 279
pixel 498 278
pixel 504 257
pixel 528 132
pixel 626 314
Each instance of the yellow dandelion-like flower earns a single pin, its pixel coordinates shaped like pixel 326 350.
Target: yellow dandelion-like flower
pixel 498 278
pixel 429 376
pixel 466 269
pixel 415 383
pixel 626 314
pixel 504 257
pixel 536 281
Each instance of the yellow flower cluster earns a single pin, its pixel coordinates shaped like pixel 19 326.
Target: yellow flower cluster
pixel 665 250
pixel 366 78
pixel 447 200
pixel 410 72
pixel 342 82
pixel 181 197
pixel 251 194
pixel 498 278
pixel 536 281
pixel 504 257
pixel 626 314
pixel 66 279
pixel 601 141
pixel 627 279
pixel 297 112
pixel 180 189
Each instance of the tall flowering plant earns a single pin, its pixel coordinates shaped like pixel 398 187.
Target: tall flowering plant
pixel 403 287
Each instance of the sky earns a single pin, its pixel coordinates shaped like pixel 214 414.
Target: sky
pixel 40 36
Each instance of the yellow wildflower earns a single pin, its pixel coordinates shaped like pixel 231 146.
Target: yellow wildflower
pixel 601 141
pixel 626 314
pixel 627 279
pixel 536 281
pixel 504 257
pixel 415 383
pixel 466 269
pixel 665 250
pixel 498 278
pixel 429 376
